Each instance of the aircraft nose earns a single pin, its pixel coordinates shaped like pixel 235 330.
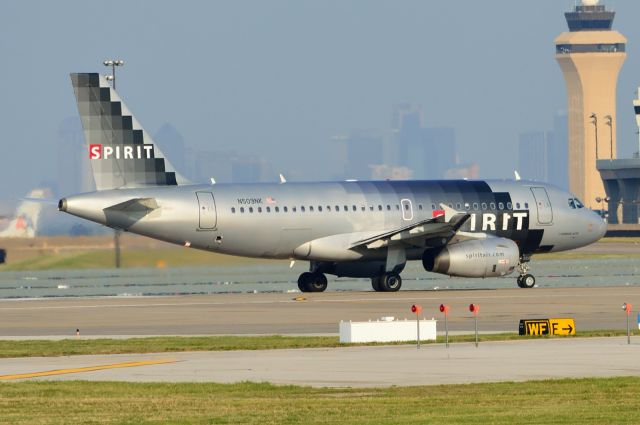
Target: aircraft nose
pixel 599 226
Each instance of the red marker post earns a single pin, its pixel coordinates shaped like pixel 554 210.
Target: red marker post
pixel 417 309
pixel 627 309
pixel 474 308
pixel 445 309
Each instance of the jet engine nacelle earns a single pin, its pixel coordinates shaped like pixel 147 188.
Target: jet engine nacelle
pixel 474 258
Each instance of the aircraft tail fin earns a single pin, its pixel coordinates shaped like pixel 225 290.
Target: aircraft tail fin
pixel 122 154
pixel 25 222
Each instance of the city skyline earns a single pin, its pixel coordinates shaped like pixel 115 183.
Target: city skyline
pixel 255 88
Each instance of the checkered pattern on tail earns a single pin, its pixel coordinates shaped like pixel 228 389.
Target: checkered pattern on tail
pixel 121 153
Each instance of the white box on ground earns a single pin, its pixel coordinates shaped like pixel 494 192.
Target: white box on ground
pixel 386 331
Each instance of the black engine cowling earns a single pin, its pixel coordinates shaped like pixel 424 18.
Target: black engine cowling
pixel 474 258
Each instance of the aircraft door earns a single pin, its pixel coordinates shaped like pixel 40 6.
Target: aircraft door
pixel 545 212
pixel 207 210
pixel 407 209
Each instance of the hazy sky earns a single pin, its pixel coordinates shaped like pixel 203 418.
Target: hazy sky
pixel 279 78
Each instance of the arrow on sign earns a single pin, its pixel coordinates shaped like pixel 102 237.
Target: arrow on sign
pixel 570 329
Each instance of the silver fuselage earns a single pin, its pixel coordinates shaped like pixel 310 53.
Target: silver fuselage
pixel 319 221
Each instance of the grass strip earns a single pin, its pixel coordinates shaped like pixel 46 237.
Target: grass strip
pixel 174 257
pixel 79 346
pixel 567 401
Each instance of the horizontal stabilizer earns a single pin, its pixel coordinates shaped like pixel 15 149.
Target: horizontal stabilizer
pixel 135 205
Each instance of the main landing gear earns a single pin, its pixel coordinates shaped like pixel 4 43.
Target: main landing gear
pixel 525 280
pixel 312 282
pixel 388 282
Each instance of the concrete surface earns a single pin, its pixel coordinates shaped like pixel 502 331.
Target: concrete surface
pixel 364 366
pixel 270 313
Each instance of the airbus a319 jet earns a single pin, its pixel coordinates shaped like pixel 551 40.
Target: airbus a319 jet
pixel 363 229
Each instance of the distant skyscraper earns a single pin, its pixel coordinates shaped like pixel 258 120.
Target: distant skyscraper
pixel 557 154
pixel 533 149
pixel 363 151
pixel 590 56
pixel 429 152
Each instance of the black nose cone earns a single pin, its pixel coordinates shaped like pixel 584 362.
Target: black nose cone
pixel 62 205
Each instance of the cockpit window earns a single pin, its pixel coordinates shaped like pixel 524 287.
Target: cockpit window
pixel 575 203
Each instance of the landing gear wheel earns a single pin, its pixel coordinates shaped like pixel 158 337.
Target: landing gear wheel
pixel 312 282
pixel 375 283
pixel 526 281
pixel 390 282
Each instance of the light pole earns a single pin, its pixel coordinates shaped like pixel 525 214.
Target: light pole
pixel 113 63
pixel 117 232
pixel 610 124
pixel 594 121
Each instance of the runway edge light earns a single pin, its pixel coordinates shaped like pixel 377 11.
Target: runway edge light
pixel 473 308
pixel 445 309
pixel 417 309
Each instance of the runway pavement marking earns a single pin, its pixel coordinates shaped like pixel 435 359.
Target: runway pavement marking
pixel 84 369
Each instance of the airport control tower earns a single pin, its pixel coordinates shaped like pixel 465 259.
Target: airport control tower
pixel 590 55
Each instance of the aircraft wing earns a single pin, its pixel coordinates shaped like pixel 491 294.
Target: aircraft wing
pixel 444 226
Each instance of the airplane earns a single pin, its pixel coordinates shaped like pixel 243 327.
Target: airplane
pixel 25 223
pixel 362 229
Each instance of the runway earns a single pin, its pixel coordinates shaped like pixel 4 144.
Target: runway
pixel 279 313
pixel 353 366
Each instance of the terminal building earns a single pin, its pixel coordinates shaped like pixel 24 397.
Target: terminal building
pixel 621 178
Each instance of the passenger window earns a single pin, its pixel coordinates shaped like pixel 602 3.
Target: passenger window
pixel 259 209
pixel 526 205
pixel 458 206
pixel 242 210
pixel 320 208
pixel 484 206
pixel 492 206
pixel 379 207
pixel 346 208
pixel 268 209
pixel 388 207
pixel 293 209
pixel 420 207
pixel 329 208
pixel 353 207
pixel 277 209
pixel 285 209
pixel 517 205
pixel 363 208
pixel 467 206
pixel 406 207
pixel 370 207
pixel 433 206
pixel 233 210
pixel 250 209
pixel 509 206
pixel 397 207
pixel 311 208
pixel 475 206
pixel 302 209
pixel 500 206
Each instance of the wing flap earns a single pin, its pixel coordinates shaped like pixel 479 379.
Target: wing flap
pixel 445 225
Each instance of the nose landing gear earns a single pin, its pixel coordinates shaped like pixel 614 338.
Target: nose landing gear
pixel 525 280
